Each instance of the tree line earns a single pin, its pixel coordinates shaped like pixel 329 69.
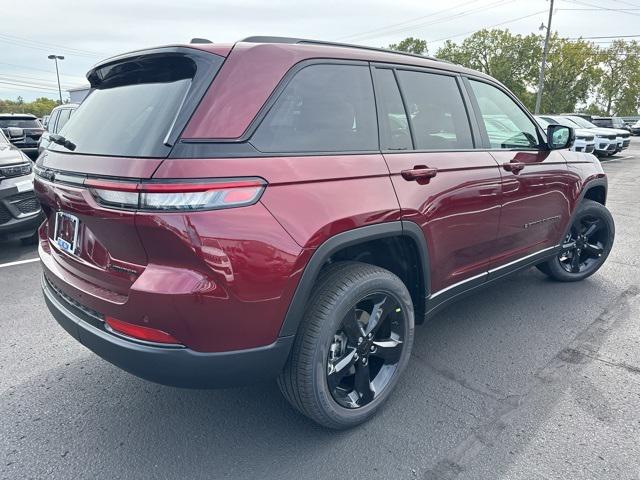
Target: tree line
pixel 580 75
pixel 39 107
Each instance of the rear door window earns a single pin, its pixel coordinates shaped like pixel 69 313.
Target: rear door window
pixel 65 113
pixel 436 110
pixel 394 124
pixel 51 126
pixel 324 108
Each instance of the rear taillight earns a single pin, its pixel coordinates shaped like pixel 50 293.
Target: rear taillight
pixel 139 332
pixel 177 195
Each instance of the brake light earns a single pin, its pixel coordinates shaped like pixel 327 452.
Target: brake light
pixel 139 332
pixel 177 196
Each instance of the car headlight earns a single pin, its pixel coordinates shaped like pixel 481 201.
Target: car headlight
pixel 15 170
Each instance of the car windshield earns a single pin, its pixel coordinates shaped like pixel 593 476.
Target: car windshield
pixel 19 123
pixel 565 122
pixel 3 139
pixel 581 122
pixel 542 122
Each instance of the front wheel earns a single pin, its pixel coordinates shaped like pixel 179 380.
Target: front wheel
pixel 352 345
pixel 586 246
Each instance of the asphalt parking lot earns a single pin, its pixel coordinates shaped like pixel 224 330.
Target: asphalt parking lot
pixel 528 379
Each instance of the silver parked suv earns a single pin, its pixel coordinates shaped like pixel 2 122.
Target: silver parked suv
pixel 20 212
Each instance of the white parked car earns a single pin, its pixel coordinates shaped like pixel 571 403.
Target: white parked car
pixel 585 140
pixel 623 137
pixel 605 139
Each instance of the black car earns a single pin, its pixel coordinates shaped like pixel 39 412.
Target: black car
pixel 23 130
pixel 20 212
pixel 611 122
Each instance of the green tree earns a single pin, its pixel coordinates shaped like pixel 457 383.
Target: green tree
pixel 571 76
pixel 619 89
pixel 511 59
pixel 411 45
pixel 39 107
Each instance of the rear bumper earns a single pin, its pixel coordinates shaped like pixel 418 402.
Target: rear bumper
pixel 180 367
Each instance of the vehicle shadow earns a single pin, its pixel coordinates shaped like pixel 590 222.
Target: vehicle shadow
pixel 12 251
pixel 89 419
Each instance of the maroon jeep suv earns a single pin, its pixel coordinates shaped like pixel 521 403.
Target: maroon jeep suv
pixel 285 208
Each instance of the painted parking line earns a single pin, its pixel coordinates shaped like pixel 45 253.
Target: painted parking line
pixel 19 262
pixel 617 159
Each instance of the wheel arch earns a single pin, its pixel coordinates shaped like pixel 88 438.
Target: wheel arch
pixel 594 189
pixel 404 231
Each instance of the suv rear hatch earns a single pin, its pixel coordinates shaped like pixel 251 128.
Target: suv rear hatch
pixel 22 131
pixel 120 134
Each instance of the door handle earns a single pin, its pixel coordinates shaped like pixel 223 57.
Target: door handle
pixel 418 173
pixel 514 167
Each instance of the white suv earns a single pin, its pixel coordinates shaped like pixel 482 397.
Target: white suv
pixel 585 139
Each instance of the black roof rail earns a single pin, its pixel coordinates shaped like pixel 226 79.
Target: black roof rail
pixel 267 39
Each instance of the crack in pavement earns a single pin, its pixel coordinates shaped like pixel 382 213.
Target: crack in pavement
pixel 569 360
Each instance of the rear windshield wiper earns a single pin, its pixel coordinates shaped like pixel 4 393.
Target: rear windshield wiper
pixel 60 140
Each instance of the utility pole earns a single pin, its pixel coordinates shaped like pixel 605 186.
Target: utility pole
pixel 545 51
pixel 56 58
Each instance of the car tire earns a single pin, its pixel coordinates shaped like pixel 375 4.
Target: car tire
pixel 331 360
pixel 586 247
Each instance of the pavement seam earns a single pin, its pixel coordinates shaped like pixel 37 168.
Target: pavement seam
pixel 569 360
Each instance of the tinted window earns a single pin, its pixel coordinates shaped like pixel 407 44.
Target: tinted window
pixel 438 116
pixel 129 120
pixel 394 126
pixel 19 123
pixel 134 104
pixel 62 119
pixel 324 108
pixel 506 124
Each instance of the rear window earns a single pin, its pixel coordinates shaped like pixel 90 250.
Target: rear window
pixel 19 123
pixel 602 122
pixel 133 106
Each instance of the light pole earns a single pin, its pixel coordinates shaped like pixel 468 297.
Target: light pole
pixel 545 51
pixel 56 58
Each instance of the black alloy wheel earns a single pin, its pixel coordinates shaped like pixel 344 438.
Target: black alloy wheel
pixel 584 245
pixel 366 350
pixel 587 245
pixel 352 345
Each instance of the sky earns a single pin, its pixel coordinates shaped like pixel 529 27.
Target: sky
pixel 87 31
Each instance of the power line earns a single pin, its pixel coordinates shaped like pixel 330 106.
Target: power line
pixel 484 28
pixel 29 87
pixel 602 8
pixel 406 21
pixel 603 36
pixel 43 81
pixel 627 3
pixel 439 20
pixel 41 70
pixel 44 49
pixel 51 45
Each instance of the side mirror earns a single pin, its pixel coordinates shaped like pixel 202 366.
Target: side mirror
pixel 560 137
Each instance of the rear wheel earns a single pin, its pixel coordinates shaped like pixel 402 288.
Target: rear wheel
pixel 586 246
pixel 352 346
